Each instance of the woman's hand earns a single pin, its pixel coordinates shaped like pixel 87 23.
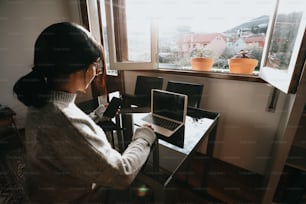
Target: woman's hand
pixel 149 126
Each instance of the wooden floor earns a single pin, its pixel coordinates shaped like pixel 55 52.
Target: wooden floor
pixel 226 184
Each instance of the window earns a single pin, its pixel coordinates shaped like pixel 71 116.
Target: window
pixel 163 33
pixel 131 35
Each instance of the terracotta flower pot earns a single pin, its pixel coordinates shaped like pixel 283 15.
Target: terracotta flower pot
pixel 201 63
pixel 242 65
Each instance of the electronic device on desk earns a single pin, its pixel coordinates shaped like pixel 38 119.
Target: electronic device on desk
pixel 168 112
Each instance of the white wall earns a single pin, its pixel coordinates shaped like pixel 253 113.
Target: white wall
pixel 246 130
pixel 20 23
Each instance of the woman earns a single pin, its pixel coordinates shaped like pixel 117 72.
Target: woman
pixel 66 151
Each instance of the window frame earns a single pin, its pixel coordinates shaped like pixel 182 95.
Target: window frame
pixel 285 80
pixel 116 64
pixel 114 59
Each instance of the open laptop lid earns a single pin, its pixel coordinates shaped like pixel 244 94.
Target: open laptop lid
pixel 169 105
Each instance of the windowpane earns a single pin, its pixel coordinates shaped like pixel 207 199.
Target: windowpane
pixel 138 21
pixel 222 28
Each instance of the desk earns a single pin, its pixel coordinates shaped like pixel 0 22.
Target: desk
pixel 9 134
pixel 169 155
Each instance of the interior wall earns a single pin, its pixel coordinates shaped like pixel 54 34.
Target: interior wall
pixel 20 23
pixel 246 130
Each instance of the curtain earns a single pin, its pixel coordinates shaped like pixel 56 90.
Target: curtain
pixel 120 30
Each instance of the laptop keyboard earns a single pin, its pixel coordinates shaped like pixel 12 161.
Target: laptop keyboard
pixel 170 125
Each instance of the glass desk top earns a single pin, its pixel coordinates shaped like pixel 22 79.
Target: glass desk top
pixel 171 152
pixel 168 155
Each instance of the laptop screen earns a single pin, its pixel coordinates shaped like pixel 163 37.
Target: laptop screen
pixel 168 104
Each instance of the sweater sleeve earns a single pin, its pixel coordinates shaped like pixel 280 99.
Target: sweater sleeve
pixel 97 114
pixel 84 152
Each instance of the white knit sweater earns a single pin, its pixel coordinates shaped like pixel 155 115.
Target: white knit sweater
pixel 67 152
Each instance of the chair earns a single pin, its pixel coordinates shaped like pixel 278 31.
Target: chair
pixel 192 90
pixel 142 93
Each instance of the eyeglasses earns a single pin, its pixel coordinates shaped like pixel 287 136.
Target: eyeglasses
pixel 99 66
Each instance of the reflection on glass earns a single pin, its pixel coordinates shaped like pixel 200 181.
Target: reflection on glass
pixel 285 30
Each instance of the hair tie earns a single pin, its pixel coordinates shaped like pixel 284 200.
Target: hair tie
pixel 36 72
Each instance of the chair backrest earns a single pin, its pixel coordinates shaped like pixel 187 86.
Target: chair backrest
pixel 144 84
pixel 143 87
pixel 192 90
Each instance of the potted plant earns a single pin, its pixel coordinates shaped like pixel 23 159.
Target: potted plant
pixel 201 59
pixel 242 63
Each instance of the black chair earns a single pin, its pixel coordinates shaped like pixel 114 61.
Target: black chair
pixel 142 93
pixel 192 90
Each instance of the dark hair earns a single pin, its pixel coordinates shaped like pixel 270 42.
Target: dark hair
pixel 60 49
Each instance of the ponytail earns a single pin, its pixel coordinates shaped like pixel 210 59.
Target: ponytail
pixel 32 89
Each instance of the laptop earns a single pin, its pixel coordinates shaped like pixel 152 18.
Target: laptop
pixel 168 112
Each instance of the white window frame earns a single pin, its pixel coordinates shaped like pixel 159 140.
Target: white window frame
pixel 285 80
pixel 264 73
pixel 114 64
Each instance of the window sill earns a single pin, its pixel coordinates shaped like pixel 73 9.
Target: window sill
pixel 209 74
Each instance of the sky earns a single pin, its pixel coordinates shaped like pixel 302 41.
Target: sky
pixel 200 15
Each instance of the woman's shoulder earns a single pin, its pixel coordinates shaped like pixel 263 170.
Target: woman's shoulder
pixel 48 112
